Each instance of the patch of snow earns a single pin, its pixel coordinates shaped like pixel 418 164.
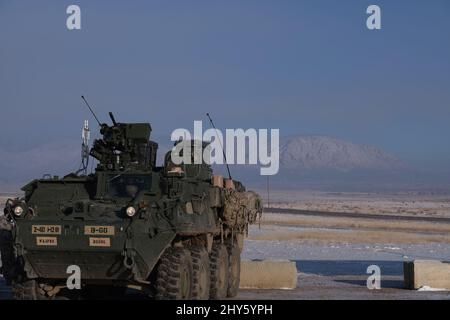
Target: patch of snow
pixel 427 288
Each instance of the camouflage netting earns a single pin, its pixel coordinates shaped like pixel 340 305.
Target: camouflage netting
pixel 241 208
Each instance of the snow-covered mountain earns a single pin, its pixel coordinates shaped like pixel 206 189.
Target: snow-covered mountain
pixel 312 153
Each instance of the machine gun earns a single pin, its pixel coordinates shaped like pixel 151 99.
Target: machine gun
pixel 123 145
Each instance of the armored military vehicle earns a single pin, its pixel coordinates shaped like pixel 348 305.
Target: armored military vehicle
pixel 172 231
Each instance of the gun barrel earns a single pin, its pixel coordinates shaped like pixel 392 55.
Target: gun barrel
pixel 112 118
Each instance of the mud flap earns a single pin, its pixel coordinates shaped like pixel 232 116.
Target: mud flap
pixel 149 252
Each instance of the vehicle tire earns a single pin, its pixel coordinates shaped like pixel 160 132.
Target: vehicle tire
pixel 202 274
pixel 234 270
pixel 27 290
pixel 174 275
pixel 219 272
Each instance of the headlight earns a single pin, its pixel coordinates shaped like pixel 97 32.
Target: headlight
pixel 131 211
pixel 18 210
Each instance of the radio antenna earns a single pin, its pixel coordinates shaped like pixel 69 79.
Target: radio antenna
pixel 220 142
pixel 90 109
pixel 85 137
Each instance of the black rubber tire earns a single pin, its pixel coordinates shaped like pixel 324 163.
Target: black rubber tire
pixel 27 290
pixel 219 272
pixel 234 270
pixel 202 274
pixel 174 275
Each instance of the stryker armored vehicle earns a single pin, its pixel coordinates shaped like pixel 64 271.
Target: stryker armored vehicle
pixel 172 231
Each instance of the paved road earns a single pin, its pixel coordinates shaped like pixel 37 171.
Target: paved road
pixel 356 215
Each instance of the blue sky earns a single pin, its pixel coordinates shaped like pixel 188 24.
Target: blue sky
pixel 305 67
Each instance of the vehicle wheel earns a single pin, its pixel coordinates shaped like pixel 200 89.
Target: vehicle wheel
pixel 201 279
pixel 234 270
pixel 174 277
pixel 27 290
pixel 219 272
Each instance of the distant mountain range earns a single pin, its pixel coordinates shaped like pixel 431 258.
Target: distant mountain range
pixel 331 164
pixel 305 161
pixel 312 153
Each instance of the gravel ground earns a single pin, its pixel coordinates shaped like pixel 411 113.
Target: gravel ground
pixel 401 203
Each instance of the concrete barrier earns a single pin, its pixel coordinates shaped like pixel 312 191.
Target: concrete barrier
pixel 426 273
pixel 268 275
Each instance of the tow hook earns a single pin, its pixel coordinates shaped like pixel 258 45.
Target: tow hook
pixel 128 260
